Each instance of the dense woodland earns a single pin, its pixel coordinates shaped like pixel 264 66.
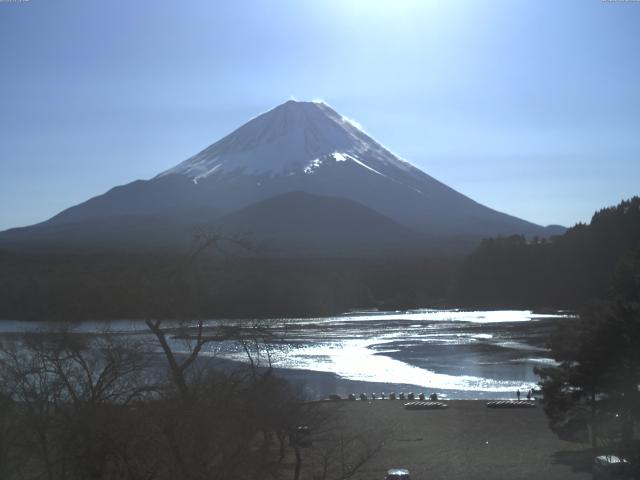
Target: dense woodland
pixel 563 272
pixel 512 272
pixel 169 286
pixel 591 393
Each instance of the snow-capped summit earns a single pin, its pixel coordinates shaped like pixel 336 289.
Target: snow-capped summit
pixel 292 138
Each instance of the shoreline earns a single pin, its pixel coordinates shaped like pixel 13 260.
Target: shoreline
pixel 316 385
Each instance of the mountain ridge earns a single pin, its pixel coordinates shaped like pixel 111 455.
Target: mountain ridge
pixel 295 147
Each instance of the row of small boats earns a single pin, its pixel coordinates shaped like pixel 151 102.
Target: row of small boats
pixel 382 396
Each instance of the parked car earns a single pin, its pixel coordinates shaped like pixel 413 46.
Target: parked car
pixel 607 467
pixel 301 437
pixel 397 474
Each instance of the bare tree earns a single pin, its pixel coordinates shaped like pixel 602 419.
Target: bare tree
pixel 69 392
pixel 343 454
pixel 92 406
pixel 7 434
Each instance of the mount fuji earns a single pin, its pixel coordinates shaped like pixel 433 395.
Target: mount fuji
pixel 300 179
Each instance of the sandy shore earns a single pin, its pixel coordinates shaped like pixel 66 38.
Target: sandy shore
pixel 465 441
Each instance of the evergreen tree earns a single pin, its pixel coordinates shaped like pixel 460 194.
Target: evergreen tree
pixel 593 391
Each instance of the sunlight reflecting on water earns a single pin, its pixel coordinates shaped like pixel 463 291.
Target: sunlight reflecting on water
pixel 355 360
pixel 452 351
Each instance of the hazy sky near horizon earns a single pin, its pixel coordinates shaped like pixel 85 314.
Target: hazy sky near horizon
pixel 529 107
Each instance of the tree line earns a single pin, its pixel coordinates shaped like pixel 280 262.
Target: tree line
pixel 108 286
pixel 592 393
pixel 563 272
pixel 506 272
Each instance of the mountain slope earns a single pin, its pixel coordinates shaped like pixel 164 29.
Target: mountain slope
pixel 298 223
pixel 296 147
pixel 127 232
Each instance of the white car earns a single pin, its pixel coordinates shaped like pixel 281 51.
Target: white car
pixel 397 474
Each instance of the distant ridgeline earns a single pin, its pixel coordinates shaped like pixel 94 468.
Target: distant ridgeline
pixel 507 272
pixel 582 264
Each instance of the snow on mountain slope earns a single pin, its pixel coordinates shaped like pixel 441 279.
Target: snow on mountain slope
pixel 309 147
pixel 293 138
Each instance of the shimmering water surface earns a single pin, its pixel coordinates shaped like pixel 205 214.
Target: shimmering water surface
pixel 458 354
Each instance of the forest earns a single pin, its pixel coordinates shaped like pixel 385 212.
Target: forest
pixel 563 272
pixel 506 272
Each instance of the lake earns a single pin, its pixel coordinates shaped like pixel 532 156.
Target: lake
pixel 457 354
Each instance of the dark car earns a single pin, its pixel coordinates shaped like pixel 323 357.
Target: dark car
pixel 301 437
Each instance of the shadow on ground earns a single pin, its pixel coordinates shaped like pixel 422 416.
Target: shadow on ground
pixel 578 460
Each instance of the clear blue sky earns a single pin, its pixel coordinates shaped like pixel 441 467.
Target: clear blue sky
pixel 530 107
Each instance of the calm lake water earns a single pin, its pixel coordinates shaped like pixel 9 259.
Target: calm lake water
pixel 458 354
